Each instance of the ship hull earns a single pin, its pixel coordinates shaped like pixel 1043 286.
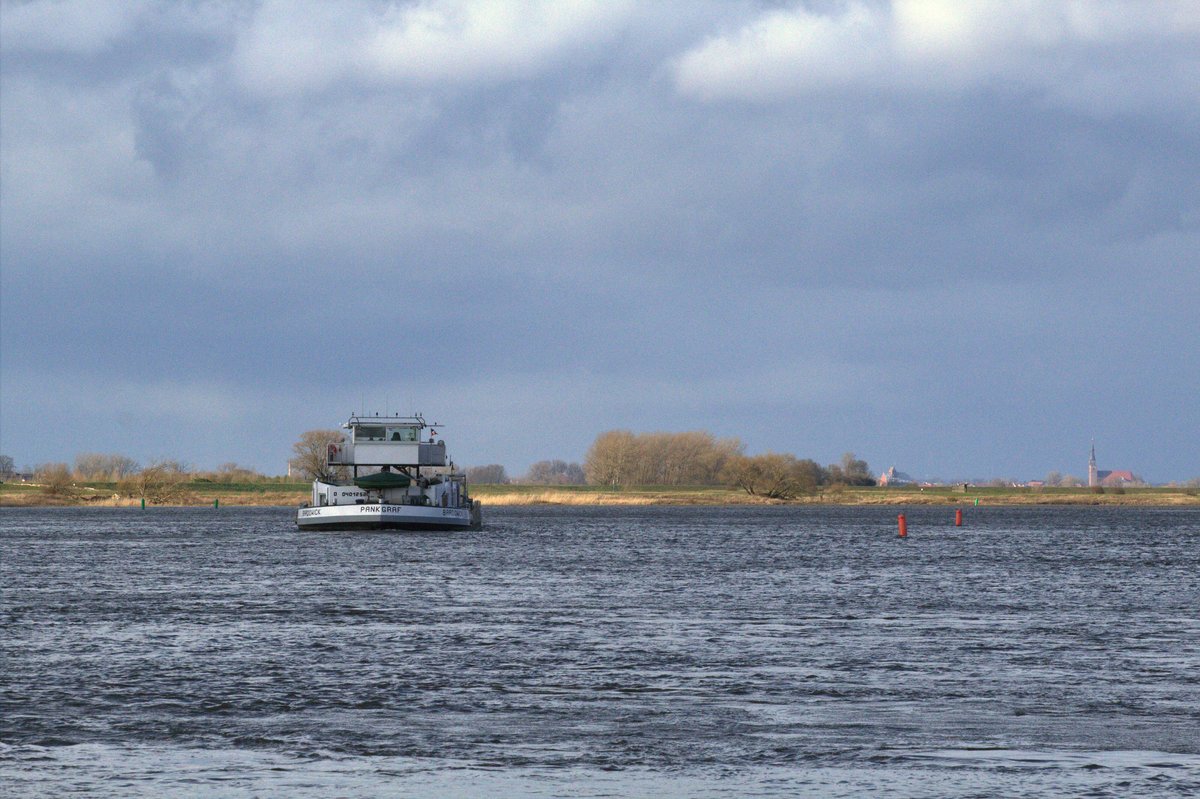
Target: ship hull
pixel 387 517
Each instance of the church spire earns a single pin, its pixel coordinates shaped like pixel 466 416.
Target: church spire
pixel 1093 472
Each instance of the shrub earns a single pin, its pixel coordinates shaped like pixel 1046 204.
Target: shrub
pixel 54 477
pixel 157 483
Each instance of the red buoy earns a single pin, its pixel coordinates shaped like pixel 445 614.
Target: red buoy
pixel 958 517
pixel 903 525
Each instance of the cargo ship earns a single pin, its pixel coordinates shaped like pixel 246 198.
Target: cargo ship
pixel 389 473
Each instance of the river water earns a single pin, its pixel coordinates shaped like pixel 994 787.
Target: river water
pixel 602 652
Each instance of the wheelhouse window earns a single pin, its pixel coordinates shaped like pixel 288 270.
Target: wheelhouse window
pixel 402 434
pixel 365 433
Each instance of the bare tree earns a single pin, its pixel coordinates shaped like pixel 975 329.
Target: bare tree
pixel 161 482
pixel 311 453
pixel 785 477
pixel 1053 478
pixel 715 457
pixel 692 458
pixel 850 471
pixel 809 476
pixel 90 466
pixel 54 477
pixel 233 473
pixel 6 466
pixel 555 472
pixel 610 458
pixel 620 457
pixel 774 475
pixel 742 471
pixel 493 473
pixel 120 466
pixel 97 466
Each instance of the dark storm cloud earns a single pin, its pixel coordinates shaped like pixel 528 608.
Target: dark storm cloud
pixel 817 226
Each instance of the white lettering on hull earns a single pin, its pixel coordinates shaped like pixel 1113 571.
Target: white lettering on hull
pixel 384 514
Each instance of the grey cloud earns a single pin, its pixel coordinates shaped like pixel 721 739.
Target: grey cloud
pixel 572 243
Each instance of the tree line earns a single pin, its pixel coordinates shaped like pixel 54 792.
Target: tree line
pixel 92 467
pixel 159 481
pixel 616 458
pixel 623 458
pixel 546 472
pixel 619 458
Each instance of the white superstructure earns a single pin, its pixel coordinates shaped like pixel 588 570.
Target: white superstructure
pixel 392 473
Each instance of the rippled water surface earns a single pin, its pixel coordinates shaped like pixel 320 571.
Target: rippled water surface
pixel 602 652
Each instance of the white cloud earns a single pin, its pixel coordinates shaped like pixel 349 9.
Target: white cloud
pixel 966 29
pixel 1097 54
pixel 783 52
pixel 291 47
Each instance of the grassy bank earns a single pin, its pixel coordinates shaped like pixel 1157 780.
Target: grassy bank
pixel 192 493
pixel 234 494
pixel 709 495
pixel 1021 496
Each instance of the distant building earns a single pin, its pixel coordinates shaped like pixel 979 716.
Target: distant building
pixel 895 478
pixel 1109 478
pixel 1118 477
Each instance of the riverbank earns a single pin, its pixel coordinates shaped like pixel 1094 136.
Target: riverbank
pixel 104 495
pixel 293 494
pixel 690 495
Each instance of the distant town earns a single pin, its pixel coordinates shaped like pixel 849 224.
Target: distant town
pixel 1096 478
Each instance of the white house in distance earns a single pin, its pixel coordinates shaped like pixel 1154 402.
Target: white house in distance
pixel 892 477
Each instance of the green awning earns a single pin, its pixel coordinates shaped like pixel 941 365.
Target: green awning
pixel 381 480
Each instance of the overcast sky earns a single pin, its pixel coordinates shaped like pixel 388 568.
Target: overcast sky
pixel 958 237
